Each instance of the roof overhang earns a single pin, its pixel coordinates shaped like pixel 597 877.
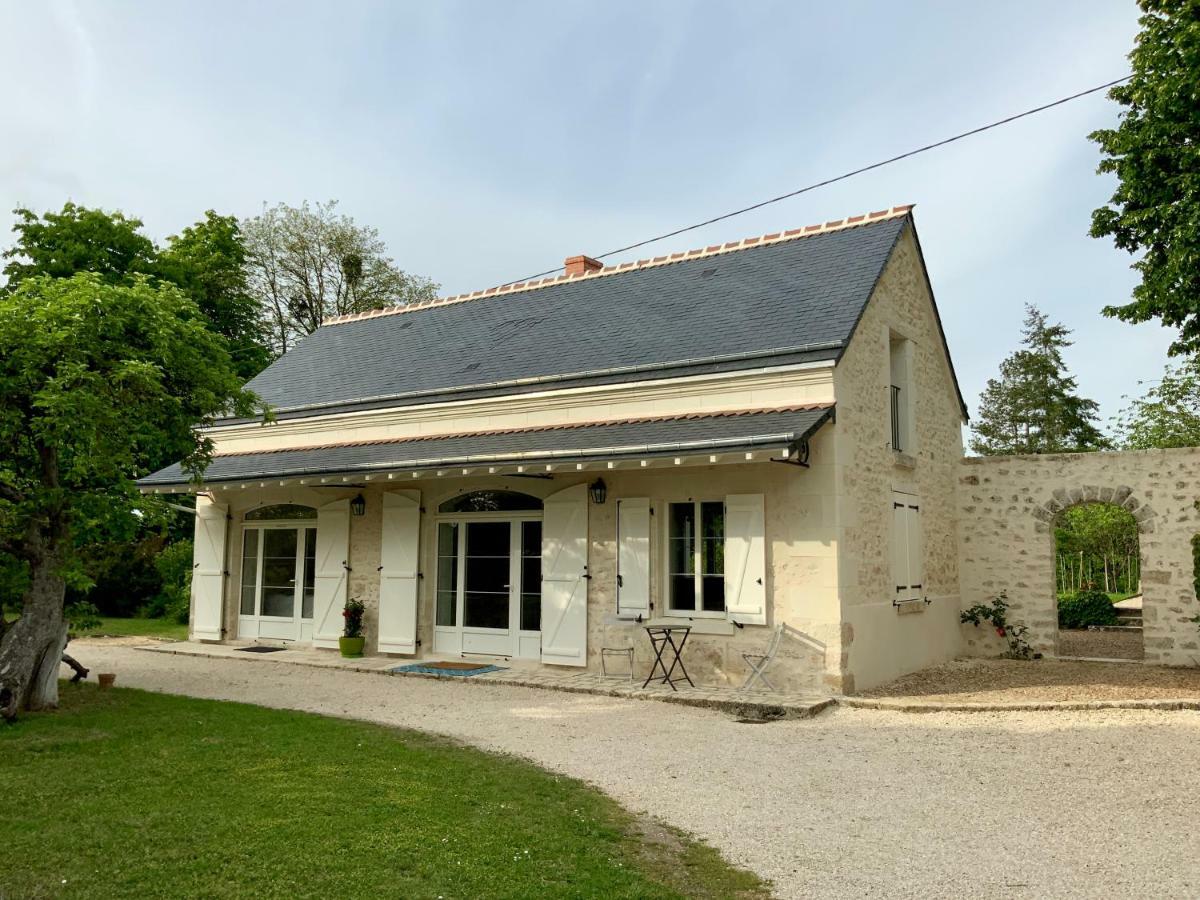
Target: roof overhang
pixel 759 436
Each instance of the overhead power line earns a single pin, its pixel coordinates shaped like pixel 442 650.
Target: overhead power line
pixel 828 181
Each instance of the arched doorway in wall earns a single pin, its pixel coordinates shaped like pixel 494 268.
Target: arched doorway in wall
pixel 1097 579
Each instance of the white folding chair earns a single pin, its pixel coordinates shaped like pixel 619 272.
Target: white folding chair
pixel 758 662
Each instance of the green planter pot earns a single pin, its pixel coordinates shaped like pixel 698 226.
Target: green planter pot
pixel 351 648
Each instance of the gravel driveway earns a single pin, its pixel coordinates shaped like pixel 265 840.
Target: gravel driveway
pixel 854 803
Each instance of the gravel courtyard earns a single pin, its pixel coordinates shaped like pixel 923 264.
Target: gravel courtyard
pixel 854 803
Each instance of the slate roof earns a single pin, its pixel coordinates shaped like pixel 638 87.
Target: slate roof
pixel 782 298
pixel 637 438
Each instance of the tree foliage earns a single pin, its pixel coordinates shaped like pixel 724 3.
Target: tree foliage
pixel 1096 544
pixel 78 239
pixel 1155 154
pixel 98 382
pixel 208 262
pixel 1032 407
pixel 308 263
pixel 1168 414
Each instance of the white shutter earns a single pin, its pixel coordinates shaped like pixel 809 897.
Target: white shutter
pixel 745 559
pixel 900 547
pixel 333 571
pixel 633 557
pixel 916 562
pixel 398 575
pixel 208 569
pixel 564 585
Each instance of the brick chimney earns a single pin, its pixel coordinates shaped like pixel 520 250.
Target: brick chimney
pixel 581 265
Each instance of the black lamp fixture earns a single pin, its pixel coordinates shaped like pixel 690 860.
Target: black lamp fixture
pixel 599 491
pixel 358 506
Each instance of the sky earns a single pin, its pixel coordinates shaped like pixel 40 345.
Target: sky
pixel 489 141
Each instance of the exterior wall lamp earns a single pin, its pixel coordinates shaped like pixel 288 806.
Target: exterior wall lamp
pixel 358 506
pixel 599 491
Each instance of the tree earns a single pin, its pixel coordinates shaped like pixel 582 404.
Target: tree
pixel 95 380
pixel 208 262
pixel 77 239
pixel 306 264
pixel 1032 407
pixel 1155 153
pixel 1168 415
pixel 1096 543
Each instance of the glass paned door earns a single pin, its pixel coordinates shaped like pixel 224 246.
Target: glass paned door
pixel 489 586
pixel 279 573
pixel 277 582
pixel 488 580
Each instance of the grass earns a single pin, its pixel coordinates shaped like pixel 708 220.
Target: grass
pixel 150 628
pixel 131 794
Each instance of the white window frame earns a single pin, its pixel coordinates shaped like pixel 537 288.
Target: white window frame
pixel 698 613
pixel 900 377
pixel 301 527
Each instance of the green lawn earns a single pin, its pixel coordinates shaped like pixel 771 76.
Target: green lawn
pixel 155 628
pixel 132 794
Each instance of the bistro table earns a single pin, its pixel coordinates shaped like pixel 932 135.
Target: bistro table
pixel 662 639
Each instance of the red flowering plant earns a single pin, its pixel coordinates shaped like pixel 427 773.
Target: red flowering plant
pixel 996 614
pixel 352 612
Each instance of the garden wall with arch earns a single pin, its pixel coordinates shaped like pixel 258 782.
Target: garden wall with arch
pixel 1007 507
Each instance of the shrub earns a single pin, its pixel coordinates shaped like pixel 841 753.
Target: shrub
pixel 173 601
pixel 1086 607
pixel 996 614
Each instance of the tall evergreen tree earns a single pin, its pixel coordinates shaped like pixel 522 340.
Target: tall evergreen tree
pixel 1032 407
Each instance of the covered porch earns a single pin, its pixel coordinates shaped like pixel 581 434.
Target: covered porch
pixel 544 555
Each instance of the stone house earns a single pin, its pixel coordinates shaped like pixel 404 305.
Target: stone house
pixel 738 437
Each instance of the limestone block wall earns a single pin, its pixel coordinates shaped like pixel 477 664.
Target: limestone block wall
pixel 1007 506
pixel 880 640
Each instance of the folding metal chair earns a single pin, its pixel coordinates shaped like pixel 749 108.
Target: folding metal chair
pixel 758 662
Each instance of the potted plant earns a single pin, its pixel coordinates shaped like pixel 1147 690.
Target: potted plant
pixel 351 643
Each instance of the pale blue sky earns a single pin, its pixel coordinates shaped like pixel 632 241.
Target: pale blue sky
pixel 488 141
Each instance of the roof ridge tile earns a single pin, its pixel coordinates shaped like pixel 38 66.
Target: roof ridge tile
pixel 518 287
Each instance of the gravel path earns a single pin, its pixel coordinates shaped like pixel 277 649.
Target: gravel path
pixel 1101 644
pixel 1042 680
pixel 854 803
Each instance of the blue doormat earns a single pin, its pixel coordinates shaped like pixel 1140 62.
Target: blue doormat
pixel 435 669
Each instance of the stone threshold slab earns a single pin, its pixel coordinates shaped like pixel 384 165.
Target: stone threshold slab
pixel 753 705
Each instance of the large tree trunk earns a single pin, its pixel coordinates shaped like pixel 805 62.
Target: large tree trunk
pixel 32 646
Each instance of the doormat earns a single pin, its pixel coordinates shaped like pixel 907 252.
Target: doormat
pixel 449 668
pixel 258 649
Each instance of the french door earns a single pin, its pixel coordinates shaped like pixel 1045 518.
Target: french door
pixel 277 584
pixel 489 588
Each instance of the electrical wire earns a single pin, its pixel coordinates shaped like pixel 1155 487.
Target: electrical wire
pixel 828 181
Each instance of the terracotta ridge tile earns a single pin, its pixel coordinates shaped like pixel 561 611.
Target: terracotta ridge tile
pixel 520 287
pixel 566 426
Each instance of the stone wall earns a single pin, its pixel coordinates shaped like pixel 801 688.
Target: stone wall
pixel 880 640
pixel 1007 507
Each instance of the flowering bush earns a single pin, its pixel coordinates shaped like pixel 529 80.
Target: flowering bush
pixel 997 615
pixel 353 614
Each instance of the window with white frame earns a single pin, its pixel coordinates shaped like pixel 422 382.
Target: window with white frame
pixel 696 558
pixel 908 563
pixel 900 393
